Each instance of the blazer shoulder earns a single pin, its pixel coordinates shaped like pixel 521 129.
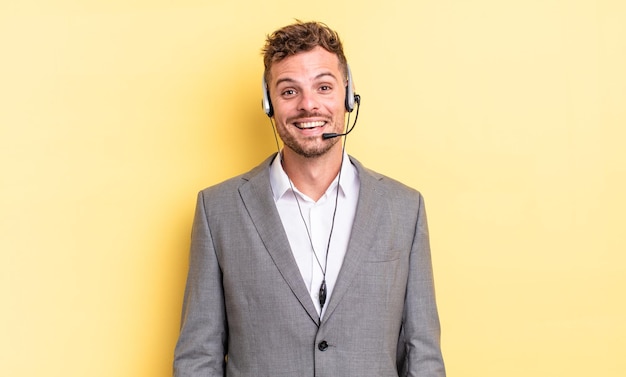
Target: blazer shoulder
pixel 231 185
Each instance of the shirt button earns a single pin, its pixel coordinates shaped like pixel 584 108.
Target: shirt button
pixel 322 346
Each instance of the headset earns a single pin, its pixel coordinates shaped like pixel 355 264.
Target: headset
pixel 351 97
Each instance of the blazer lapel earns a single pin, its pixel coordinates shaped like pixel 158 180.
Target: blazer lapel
pixel 256 195
pixel 368 212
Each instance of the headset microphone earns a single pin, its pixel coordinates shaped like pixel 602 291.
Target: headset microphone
pixel 334 135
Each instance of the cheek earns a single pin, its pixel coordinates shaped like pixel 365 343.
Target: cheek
pixel 333 107
pixel 283 110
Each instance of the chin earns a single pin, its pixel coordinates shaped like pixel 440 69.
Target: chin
pixel 316 151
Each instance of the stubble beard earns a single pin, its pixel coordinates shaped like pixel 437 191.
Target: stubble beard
pixel 310 147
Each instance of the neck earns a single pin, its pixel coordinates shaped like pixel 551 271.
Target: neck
pixel 312 176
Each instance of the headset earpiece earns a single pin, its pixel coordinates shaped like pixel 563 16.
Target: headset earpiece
pixel 350 96
pixel 267 103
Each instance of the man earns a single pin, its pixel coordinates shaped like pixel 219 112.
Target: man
pixel 309 264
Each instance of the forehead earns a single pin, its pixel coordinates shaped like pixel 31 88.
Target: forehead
pixel 306 65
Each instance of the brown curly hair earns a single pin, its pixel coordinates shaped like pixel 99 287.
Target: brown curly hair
pixel 301 37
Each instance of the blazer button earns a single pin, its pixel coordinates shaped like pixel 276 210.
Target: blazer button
pixel 322 346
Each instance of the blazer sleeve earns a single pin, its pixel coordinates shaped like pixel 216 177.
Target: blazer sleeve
pixel 202 343
pixel 421 329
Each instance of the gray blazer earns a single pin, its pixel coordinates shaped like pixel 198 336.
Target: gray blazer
pixel 247 312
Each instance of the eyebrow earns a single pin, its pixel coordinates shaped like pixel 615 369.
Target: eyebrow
pixel 290 80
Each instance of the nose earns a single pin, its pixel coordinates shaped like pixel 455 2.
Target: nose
pixel 308 101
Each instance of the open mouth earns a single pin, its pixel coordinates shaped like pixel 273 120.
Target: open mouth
pixel 309 125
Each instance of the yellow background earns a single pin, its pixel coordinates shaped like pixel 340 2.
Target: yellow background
pixel 509 116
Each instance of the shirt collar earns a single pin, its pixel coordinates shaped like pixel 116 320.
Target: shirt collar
pixel 279 180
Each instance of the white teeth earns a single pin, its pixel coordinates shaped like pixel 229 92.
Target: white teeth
pixel 310 124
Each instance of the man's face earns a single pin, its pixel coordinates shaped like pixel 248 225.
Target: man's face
pixel 308 93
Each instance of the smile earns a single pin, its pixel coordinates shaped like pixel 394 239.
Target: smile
pixel 308 125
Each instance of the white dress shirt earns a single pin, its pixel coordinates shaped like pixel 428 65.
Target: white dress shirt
pixel 318 217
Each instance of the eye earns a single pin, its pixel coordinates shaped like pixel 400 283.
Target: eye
pixel 325 88
pixel 288 93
